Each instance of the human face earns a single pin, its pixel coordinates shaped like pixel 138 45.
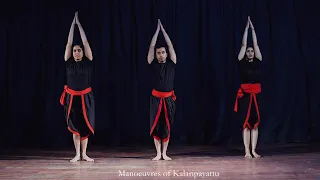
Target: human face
pixel 250 53
pixel 77 53
pixel 161 54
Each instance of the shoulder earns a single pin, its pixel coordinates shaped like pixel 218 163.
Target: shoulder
pixel 171 63
pixel 242 61
pixel 257 61
pixel 154 63
pixel 87 61
pixel 69 61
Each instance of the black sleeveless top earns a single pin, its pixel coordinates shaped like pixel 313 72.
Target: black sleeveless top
pixel 79 74
pixel 249 71
pixel 163 75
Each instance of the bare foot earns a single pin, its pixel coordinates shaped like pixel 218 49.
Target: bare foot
pixel 158 157
pixel 75 159
pixel 247 155
pixel 165 157
pixel 85 157
pixel 255 154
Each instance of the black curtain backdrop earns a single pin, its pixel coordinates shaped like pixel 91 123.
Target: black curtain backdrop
pixel 207 37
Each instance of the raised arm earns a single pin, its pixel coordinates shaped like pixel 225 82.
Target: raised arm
pixel 152 44
pixel 244 42
pixel 87 49
pixel 173 55
pixel 68 51
pixel 255 43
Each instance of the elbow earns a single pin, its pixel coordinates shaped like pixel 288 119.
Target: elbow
pixel 259 57
pixel 66 58
pixel 150 58
pixel 174 58
pixel 240 57
pixel 89 55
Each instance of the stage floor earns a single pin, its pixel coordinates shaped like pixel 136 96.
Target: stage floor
pixel 281 162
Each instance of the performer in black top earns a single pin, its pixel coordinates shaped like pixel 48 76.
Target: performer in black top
pixel 248 94
pixel 162 100
pixel 77 97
